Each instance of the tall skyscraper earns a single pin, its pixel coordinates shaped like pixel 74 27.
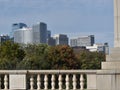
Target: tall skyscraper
pixel 48 34
pixel 17 26
pixel 35 35
pixel 73 42
pixel 61 39
pixel 24 36
pixel 39 33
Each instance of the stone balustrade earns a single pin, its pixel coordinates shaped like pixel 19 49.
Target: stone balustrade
pixel 48 79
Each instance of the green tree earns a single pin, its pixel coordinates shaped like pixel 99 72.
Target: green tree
pixel 35 57
pixel 10 55
pixel 91 60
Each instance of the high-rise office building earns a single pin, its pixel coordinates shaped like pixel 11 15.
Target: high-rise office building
pixel 83 41
pixel 39 33
pixel 61 39
pixel 73 42
pixel 48 34
pixel 51 41
pixel 35 35
pixel 4 38
pixel 24 36
pixel 17 26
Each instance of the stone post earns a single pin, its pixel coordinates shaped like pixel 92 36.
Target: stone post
pixel 116 23
pixel 109 77
pixel 17 80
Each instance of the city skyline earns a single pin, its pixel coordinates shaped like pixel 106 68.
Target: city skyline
pixel 71 17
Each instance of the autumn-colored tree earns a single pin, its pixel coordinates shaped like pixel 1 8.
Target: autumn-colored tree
pixel 62 57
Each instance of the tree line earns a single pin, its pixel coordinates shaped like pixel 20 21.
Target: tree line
pixel 42 56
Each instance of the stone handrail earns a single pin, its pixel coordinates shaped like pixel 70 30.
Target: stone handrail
pixel 49 79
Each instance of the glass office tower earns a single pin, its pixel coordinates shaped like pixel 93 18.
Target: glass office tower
pixel 39 33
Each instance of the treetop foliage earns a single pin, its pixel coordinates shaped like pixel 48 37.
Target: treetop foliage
pixel 42 56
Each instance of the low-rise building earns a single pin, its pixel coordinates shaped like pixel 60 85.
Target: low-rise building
pixel 51 41
pixel 99 48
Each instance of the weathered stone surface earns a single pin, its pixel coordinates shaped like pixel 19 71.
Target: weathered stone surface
pixel 91 81
pixel 116 23
pixel 109 77
pixel 108 80
pixel 110 65
pixel 17 81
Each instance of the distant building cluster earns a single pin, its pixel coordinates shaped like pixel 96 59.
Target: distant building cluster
pixel 99 48
pixel 4 38
pixel 82 41
pixel 88 43
pixel 39 34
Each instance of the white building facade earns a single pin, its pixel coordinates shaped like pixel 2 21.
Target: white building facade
pixel 23 36
pixel 99 48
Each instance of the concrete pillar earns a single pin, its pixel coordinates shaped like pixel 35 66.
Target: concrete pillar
pixel 109 77
pixel 116 23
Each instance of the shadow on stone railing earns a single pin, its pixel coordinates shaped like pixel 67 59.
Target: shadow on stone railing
pixel 48 79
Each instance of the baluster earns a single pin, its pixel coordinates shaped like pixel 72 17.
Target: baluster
pixel 38 82
pixel 53 82
pixel 67 82
pixel 46 82
pixel 81 82
pixel 6 82
pixel 0 82
pixel 31 83
pixel 60 82
pixel 74 82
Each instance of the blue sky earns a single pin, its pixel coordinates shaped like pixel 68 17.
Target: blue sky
pixel 71 17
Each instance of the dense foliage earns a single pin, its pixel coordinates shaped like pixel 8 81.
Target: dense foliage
pixel 35 58
pixel 91 60
pixel 42 56
pixel 62 57
pixel 10 55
